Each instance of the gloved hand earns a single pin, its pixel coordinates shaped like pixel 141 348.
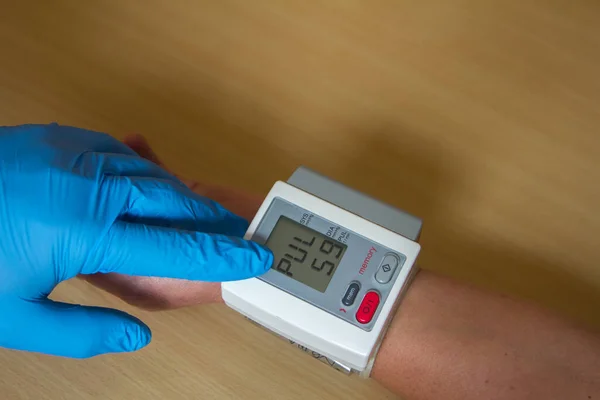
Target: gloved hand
pixel 79 202
pixel 164 293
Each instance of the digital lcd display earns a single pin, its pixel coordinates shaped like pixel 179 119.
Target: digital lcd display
pixel 304 254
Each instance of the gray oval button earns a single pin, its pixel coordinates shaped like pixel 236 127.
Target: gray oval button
pixel 351 293
pixel 386 269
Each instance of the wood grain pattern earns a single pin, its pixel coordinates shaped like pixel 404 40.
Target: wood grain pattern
pixel 480 117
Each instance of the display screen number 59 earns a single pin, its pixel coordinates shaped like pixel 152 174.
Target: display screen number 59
pixel 304 254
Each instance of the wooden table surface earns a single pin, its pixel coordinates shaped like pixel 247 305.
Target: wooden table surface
pixel 481 117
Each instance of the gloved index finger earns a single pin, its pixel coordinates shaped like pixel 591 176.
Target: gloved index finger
pixel 168 204
pixel 143 250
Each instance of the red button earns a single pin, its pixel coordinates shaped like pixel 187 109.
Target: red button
pixel 367 308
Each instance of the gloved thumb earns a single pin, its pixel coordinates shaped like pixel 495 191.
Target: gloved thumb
pixel 69 330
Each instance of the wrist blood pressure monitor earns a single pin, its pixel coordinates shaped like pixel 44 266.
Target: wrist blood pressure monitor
pixel 342 261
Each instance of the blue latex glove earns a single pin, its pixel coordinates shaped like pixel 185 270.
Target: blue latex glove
pixel 79 202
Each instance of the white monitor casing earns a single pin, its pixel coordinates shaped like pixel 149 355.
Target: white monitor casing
pixel 302 322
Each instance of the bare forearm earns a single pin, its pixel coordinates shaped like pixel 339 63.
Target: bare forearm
pixel 450 341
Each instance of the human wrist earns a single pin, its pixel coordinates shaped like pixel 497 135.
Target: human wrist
pixel 402 346
pixel 214 292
